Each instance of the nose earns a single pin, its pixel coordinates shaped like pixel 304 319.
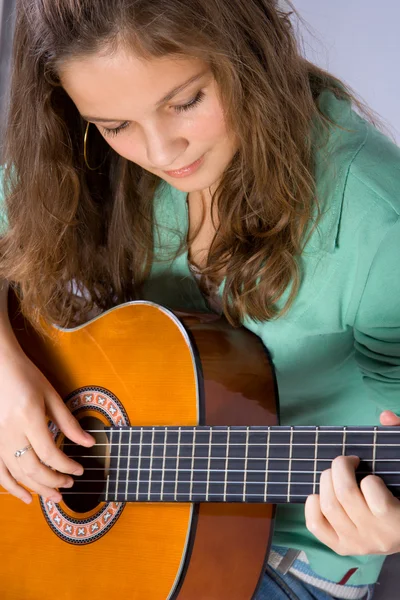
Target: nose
pixel 164 148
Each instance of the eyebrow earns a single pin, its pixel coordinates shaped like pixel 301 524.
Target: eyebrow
pixel 167 97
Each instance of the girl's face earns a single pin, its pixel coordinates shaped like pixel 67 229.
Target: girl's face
pixel 162 114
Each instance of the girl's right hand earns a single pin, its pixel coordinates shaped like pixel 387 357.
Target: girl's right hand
pixel 26 400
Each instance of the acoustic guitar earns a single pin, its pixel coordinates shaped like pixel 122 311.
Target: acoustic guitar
pixel 178 493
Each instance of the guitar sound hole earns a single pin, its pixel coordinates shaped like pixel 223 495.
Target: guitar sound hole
pixel 84 495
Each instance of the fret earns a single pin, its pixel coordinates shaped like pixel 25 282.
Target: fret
pixel 128 465
pixel 139 463
pixel 246 459
pixel 330 445
pixel 234 462
pixel 192 465
pixel 385 466
pixel 226 462
pixel 218 458
pixel 290 463
pixel 344 441
pixel 157 450
pixel 302 462
pixel 331 442
pixel 133 459
pixel 267 465
pixel 315 461
pixel 374 452
pixel 110 479
pixel 209 464
pixel 163 463
pixel 168 463
pixel 185 471
pixel 151 464
pixel 177 464
pixel 122 464
pixel 201 459
pixel 145 463
pixel 253 467
pixel 278 463
pixel 361 443
pixel 118 462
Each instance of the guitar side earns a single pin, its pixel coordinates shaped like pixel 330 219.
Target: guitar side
pixel 152 551
pixel 232 541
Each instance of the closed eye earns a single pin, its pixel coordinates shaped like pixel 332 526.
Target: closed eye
pixel 179 109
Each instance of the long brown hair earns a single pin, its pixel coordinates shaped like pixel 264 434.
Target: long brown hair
pixel 73 228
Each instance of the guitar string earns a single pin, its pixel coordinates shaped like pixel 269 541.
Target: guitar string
pixel 222 471
pixel 172 494
pixel 218 482
pixel 202 482
pixel 180 457
pixel 252 429
pixel 211 482
pixel 241 483
pixel 141 501
pixel 243 445
pixel 186 494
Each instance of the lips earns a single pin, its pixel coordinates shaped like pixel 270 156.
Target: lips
pixel 186 170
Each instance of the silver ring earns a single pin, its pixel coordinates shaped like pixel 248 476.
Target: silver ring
pixel 19 453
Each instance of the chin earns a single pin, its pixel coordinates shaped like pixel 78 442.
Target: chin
pixel 192 184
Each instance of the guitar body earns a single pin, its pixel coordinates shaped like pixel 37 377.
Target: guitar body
pixel 138 364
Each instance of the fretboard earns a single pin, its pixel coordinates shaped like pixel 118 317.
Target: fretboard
pixel 241 464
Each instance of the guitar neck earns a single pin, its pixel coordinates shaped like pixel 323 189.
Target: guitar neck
pixel 241 464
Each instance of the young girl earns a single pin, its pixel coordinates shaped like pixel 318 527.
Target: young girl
pixel 185 153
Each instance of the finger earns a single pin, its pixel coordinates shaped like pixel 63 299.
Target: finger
pixel 66 422
pixel 318 524
pixel 45 448
pixel 29 467
pixel 43 490
pixel 389 418
pixel 347 491
pixel 8 483
pixel 378 497
pixel 332 509
pixel 52 456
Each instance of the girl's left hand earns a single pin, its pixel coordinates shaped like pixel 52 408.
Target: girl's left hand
pixel 353 519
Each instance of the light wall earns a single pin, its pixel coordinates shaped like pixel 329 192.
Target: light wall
pixel 359 41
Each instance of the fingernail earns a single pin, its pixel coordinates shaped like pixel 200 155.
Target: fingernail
pixel 26 500
pixel 78 471
pixel 68 484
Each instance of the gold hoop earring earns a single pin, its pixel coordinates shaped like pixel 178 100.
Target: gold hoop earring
pixel 84 150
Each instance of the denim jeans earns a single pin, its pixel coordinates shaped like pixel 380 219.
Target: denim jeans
pixel 275 586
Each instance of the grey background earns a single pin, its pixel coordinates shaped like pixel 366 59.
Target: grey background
pixel 358 41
